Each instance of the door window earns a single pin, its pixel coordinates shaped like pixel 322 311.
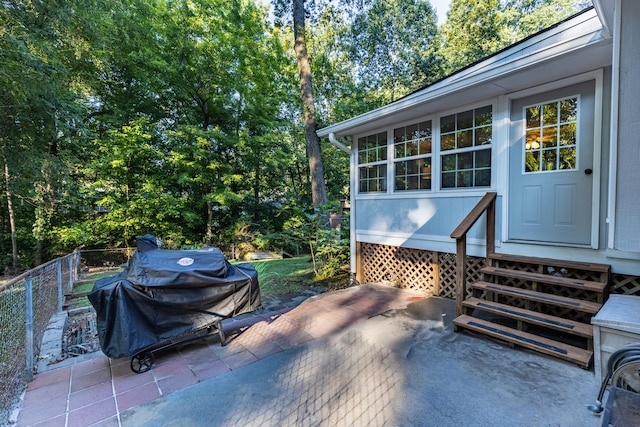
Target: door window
pixel 551 136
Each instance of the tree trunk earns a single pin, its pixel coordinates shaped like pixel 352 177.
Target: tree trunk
pixel 318 189
pixel 209 232
pixel 44 211
pixel 12 219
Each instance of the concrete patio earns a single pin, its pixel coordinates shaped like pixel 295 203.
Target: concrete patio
pixel 368 355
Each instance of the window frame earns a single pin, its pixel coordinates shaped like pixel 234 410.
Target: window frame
pixel 523 153
pixel 436 155
pixel 470 151
pixel 377 163
pixel 414 157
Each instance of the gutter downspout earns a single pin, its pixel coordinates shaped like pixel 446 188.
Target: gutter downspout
pixel 352 229
pixel 613 131
pixel 340 145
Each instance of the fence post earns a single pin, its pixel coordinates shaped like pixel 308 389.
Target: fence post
pixel 29 325
pixel 71 271
pixel 60 292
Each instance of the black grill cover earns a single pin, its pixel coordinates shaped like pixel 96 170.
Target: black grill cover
pixel 165 293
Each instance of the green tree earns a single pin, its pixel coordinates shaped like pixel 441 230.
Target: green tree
pixel 305 80
pixel 476 29
pixel 394 47
pixel 339 91
pixel 42 59
pixel 471 32
pixel 210 82
pixel 521 18
pixel 179 117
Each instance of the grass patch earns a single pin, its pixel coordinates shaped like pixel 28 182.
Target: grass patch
pixel 293 276
pixel 277 278
pixel 86 287
pixel 102 272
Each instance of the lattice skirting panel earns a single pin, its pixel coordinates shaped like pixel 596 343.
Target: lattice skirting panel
pixel 624 285
pixel 434 273
pixel 429 272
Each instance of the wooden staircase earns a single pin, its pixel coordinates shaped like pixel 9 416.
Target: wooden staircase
pixel 537 303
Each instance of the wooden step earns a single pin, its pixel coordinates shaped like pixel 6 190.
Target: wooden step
pixel 563 351
pixel 83 282
pixel 584 306
pixel 553 322
pixel 550 279
pixel 575 265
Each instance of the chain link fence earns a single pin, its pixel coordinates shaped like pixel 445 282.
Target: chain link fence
pixel 104 258
pixel 27 302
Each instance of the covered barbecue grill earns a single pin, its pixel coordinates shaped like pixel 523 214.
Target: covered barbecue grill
pixel 168 297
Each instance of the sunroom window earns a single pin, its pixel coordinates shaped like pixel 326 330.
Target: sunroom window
pixel 465 148
pixel 372 163
pixel 412 156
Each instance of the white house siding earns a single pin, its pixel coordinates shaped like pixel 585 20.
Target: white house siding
pixel 627 203
pixel 420 222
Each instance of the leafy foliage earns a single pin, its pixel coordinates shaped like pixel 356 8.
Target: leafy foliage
pixel 476 29
pixel 182 118
pixel 329 241
pixel 393 47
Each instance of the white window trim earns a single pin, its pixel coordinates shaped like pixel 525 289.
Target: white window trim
pixel 578 120
pixel 376 163
pixel 394 160
pixel 436 159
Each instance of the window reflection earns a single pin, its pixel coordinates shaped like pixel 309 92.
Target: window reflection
pixel 551 136
pixel 413 150
pixel 372 152
pixel 462 135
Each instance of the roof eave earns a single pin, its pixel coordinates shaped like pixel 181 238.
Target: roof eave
pixel 605 10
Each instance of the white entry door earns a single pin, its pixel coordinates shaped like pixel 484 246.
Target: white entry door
pixel 551 166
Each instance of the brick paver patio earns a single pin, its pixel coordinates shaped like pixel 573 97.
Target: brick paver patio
pixel 96 391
